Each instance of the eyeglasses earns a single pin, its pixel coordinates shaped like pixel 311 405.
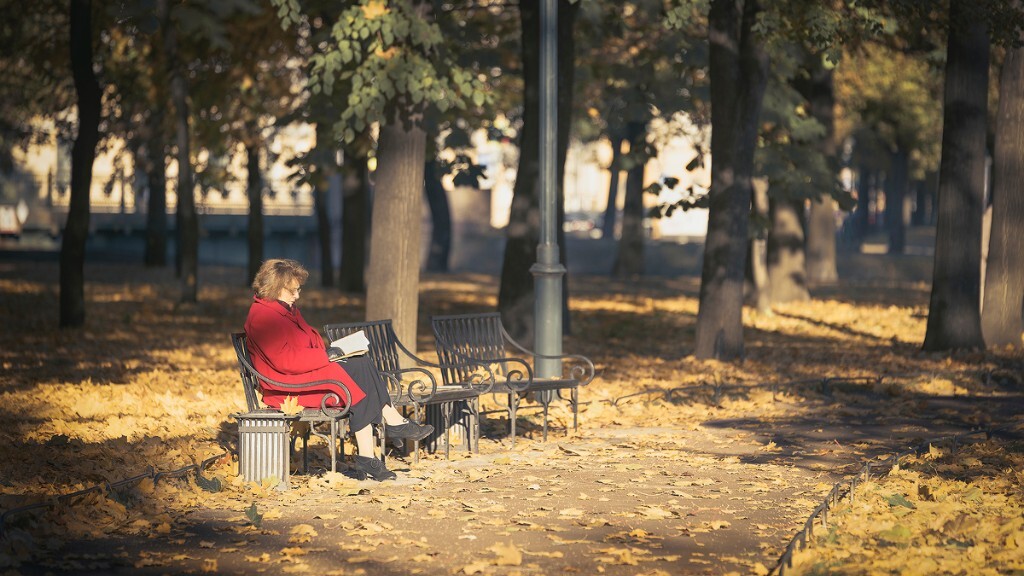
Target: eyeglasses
pixel 295 290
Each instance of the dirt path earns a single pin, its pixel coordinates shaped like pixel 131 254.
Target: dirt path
pixel 724 497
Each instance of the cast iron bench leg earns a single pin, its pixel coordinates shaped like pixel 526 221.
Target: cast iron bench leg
pixel 446 413
pixel 546 401
pixel 416 443
pixel 474 431
pixel 575 400
pixel 513 406
pixel 305 455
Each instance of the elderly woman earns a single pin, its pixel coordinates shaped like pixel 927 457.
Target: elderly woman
pixel 287 349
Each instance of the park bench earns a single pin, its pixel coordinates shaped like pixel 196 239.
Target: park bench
pixel 263 457
pixel 481 339
pixel 413 385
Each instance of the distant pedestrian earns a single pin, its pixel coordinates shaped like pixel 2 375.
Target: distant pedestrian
pixel 287 349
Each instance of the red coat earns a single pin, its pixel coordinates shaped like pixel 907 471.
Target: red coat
pixel 283 347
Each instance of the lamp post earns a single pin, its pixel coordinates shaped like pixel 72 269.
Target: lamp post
pixel 548 270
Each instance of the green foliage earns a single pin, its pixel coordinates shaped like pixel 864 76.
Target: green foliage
pixel 900 500
pixel 790 154
pixel 692 197
pixel 209 484
pixel 36 81
pixel 822 27
pixel 388 54
pixel 891 100
pixel 680 14
pixel 255 518
pixel 640 62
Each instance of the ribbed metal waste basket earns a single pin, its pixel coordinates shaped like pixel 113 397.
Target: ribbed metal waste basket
pixel 263 446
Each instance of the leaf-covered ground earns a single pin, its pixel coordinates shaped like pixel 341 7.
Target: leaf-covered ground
pixel 950 510
pixel 679 466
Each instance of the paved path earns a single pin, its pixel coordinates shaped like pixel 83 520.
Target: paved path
pixel 722 497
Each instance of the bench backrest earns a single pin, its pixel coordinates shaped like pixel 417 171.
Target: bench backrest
pixel 250 381
pixel 384 343
pixel 462 336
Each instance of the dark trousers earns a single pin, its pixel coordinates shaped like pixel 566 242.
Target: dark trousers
pixel 367 410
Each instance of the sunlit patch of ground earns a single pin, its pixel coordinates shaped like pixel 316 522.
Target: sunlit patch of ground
pixel 151 382
pixel 947 511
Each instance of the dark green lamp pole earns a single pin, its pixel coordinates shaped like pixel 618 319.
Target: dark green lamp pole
pixel 548 270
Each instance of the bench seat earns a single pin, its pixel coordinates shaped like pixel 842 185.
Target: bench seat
pixel 468 342
pixel 413 385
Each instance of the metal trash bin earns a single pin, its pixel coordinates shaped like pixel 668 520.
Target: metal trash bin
pixel 263 446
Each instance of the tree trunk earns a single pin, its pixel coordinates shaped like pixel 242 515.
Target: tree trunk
pixel 821 242
pixel 188 224
pixel 757 294
pixel 83 153
pixel 920 214
pixel 787 277
pixel 394 272
pixel 326 167
pixel 440 217
pixel 355 214
pixel 254 190
pixel 156 208
pixel 1004 279
pixel 895 195
pixel 515 293
pixel 861 217
pixel 738 72
pixel 629 261
pixel 821 222
pixel 954 320
pixel 611 209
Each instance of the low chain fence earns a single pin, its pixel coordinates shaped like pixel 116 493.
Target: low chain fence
pixel 846 489
pixel 107 487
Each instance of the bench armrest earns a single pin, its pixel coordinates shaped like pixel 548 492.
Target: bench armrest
pixel 481 382
pixel 419 389
pixel 518 380
pixel 580 367
pixel 329 411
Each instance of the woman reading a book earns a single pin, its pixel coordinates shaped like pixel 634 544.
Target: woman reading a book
pixel 287 349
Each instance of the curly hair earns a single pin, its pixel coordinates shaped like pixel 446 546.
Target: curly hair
pixel 275 275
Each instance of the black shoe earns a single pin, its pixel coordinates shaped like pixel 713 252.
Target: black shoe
pixel 373 468
pixel 408 431
pixel 354 473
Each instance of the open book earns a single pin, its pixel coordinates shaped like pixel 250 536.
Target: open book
pixel 355 344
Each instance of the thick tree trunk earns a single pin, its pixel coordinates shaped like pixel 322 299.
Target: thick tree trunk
pixel 515 293
pixel 787 278
pixel 326 167
pixel 954 319
pixel 895 196
pixel 155 165
pixel 1004 279
pixel 786 275
pixel 629 260
pixel 254 190
pixel 394 273
pixel 355 214
pixel 821 221
pixel 188 223
pixel 861 217
pixel 919 216
pixel 757 294
pixel 156 207
pixel 83 153
pixel 611 209
pixel 821 242
pixel 738 70
pixel 440 216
